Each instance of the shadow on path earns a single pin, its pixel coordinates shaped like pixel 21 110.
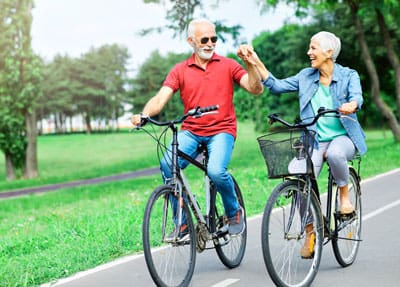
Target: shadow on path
pixel 51 187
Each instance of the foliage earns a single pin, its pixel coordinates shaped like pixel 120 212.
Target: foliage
pixel 93 85
pixel 363 16
pixel 180 12
pixel 19 81
pixel 57 91
pixel 149 80
pixel 99 77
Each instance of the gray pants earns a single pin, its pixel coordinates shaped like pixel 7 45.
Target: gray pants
pixel 337 152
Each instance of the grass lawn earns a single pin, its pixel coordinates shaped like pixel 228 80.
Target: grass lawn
pixel 79 156
pixel 48 236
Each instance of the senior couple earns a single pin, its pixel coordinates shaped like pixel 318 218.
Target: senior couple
pixel 206 79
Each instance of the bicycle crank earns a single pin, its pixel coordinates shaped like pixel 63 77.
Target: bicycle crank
pixel 201 238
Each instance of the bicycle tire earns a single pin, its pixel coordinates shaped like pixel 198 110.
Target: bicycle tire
pixel 230 249
pixel 347 236
pixel 281 252
pixel 169 263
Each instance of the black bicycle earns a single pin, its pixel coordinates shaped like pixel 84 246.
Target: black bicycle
pixel 170 235
pixel 295 203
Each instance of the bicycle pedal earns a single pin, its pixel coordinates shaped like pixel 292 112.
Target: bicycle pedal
pixel 346 216
pixel 308 257
pixel 222 231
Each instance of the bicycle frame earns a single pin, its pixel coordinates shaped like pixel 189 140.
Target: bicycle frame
pixel 179 176
pixel 332 231
pixel 311 185
pixel 192 200
pixel 174 201
pixel 294 222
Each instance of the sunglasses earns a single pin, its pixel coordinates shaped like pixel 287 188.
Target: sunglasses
pixel 205 40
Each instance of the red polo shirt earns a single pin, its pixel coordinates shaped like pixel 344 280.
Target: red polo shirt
pixel 206 87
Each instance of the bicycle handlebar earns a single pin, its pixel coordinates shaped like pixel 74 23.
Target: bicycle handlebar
pixel 196 113
pixel 321 111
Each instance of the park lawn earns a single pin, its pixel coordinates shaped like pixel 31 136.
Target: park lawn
pixel 45 237
pixel 63 158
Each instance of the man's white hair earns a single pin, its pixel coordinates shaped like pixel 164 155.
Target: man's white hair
pixel 194 22
pixel 328 41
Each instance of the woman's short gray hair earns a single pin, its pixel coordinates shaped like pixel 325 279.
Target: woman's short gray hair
pixel 328 41
pixel 194 22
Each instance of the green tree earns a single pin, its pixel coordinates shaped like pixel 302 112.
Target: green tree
pixel 180 12
pixel 56 100
pixel 98 82
pixel 19 88
pixel 357 9
pixel 149 80
pixel 371 68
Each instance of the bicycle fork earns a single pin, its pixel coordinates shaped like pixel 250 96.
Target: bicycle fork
pixel 301 201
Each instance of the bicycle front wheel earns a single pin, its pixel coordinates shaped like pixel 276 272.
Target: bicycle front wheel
pixel 230 249
pixel 283 235
pixel 347 236
pixel 169 247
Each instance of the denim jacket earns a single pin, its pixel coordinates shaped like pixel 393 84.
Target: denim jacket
pixel 345 87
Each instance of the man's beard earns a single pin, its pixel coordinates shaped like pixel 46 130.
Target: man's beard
pixel 202 52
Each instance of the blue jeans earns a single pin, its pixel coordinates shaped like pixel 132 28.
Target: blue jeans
pixel 220 147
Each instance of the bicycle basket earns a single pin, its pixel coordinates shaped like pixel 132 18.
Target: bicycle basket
pixel 286 152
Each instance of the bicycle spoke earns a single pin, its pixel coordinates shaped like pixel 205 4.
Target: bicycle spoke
pixel 348 229
pixel 232 250
pixel 283 236
pixel 170 261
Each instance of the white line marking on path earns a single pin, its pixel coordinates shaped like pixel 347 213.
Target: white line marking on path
pixel 226 282
pixel 99 268
pixel 380 210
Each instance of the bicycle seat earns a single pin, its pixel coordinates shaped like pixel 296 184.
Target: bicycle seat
pixel 201 152
pixel 201 148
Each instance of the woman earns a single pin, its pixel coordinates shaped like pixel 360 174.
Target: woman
pixel 330 85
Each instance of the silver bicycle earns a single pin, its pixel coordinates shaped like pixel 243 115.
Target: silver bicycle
pixel 295 203
pixel 175 225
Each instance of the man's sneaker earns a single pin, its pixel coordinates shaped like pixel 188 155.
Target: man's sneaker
pixel 236 223
pixel 180 236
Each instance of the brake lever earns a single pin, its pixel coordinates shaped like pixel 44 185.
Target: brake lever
pixel 347 117
pixel 272 118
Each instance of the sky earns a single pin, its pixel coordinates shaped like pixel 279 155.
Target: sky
pixel 72 27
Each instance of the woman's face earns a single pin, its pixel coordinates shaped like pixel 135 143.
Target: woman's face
pixel 317 56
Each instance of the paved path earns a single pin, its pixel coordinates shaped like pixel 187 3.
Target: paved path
pixel 51 187
pixel 377 264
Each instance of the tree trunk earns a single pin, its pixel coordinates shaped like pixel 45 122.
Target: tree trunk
pixel 31 163
pixel 88 125
pixel 10 170
pixel 71 127
pixel 391 54
pixel 375 85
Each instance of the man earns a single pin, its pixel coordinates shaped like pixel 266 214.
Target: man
pixel 207 79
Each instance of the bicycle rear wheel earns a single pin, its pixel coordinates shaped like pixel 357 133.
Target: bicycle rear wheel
pixel 282 236
pixel 230 249
pixel 170 254
pixel 347 237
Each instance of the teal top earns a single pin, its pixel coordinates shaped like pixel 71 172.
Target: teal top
pixel 328 127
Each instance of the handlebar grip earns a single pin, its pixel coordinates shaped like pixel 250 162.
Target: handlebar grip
pixel 323 110
pixel 209 109
pixel 272 118
pixel 143 121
